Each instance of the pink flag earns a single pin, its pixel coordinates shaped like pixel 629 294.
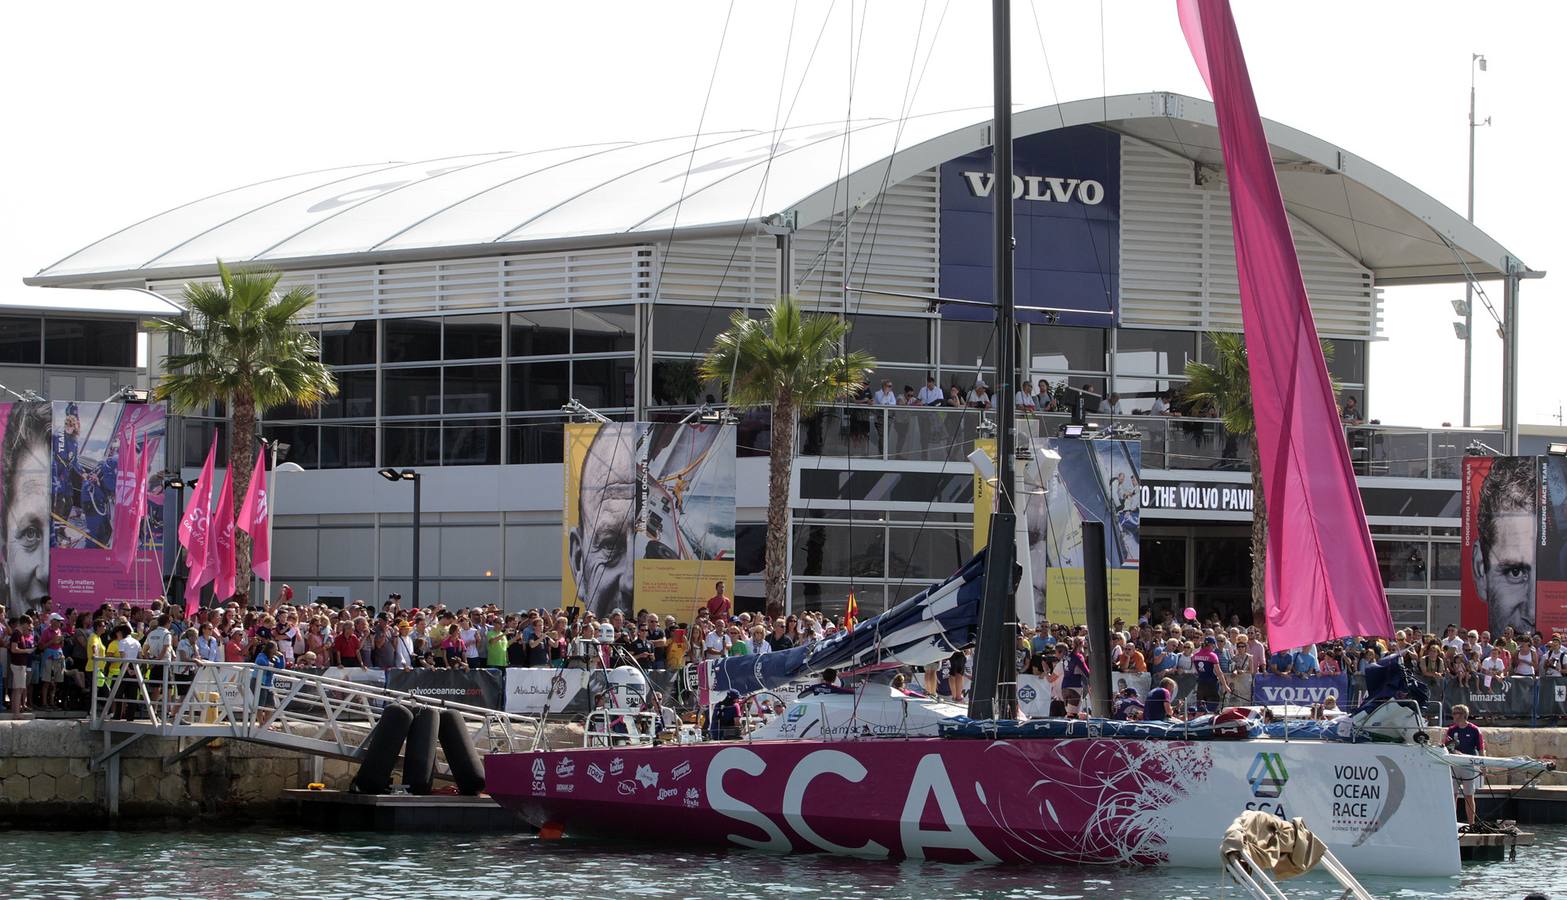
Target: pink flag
pixel 1322 580
pixel 254 516
pixel 223 562
pixel 195 534
pixel 127 491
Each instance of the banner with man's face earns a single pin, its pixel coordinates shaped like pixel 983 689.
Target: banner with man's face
pixel 649 516
pixel 1551 578
pixel 1502 511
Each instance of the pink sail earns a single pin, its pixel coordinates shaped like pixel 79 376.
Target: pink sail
pixel 129 497
pixel 222 530
pixel 1322 579
pixel 254 516
pixel 195 534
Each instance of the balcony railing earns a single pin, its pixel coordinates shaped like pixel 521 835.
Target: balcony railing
pixel 937 434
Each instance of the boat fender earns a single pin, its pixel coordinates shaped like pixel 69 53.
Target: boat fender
pixel 419 760
pixel 463 760
pixel 1232 724
pixel 381 749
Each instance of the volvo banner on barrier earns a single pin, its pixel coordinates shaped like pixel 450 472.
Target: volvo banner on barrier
pixel 1071 481
pixel 73 525
pixel 649 514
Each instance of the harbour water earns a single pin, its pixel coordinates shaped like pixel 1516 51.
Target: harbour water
pixel 267 863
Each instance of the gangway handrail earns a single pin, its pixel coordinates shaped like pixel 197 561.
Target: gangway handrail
pixel 308 711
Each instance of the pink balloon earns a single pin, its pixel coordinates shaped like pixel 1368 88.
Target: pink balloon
pixel 1191 614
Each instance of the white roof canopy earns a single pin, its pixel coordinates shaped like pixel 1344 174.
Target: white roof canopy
pixel 71 301
pixel 721 182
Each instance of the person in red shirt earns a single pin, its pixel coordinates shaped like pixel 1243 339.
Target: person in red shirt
pixel 718 606
pixel 234 649
pixel 347 646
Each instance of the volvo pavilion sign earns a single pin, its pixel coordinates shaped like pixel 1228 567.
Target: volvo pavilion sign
pixel 1040 188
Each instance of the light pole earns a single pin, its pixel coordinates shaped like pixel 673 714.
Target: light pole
pixel 1475 59
pixel 391 474
pixel 279 448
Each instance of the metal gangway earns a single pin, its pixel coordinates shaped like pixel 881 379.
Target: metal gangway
pixel 199 702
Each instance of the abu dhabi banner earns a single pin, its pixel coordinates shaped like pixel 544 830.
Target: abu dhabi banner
pixel 649 516
pixel 79 519
pixel 1071 481
pixel 1514 543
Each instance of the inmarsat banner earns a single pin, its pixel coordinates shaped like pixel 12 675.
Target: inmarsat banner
pixel 69 523
pixel 649 516
pixel 1071 481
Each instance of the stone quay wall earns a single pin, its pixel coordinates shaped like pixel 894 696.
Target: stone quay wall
pixel 46 776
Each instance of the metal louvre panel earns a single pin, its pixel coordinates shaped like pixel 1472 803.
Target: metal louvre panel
pixel 893 242
pixel 740 272
pixel 619 274
pixel 1178 255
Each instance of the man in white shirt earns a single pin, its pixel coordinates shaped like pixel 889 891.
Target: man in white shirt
pixel 1159 407
pixel 930 395
pixel 886 396
pixel 1451 640
pixel 1112 406
pixel 159 640
pixel 979 396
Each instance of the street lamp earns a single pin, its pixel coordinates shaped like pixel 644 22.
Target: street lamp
pixel 279 449
pixel 391 474
pixel 1475 60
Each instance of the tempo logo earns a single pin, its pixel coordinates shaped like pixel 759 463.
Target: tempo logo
pixel 1267 775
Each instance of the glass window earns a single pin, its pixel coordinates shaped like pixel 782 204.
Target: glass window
pixel 543 333
pixel 968 344
pixel 903 487
pixel 834 598
pixel 412 340
pixel 348 343
pixel 90 342
pixel 473 337
pixel 472 443
pixel 355 396
pixel 604 329
pixel 472 389
pixel 750 549
pixel 1445 573
pixel 1163 562
pixel 417 445
pixel 303 443
pixel 540 440
pixel 542 385
pixel 289 411
pixel 1348 364
pixel 928 553
pixel 348 447
pixel 412 392
pixel 891 339
pixel 1057 348
pixel 677 382
pixel 688 329
pixel 198 438
pixel 1403 563
pixel 604 383
pixel 839 551
pixel 20 339
pixel 1153 352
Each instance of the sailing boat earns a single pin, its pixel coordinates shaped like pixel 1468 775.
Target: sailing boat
pixel 990 788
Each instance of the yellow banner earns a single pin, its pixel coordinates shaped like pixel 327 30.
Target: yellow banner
pixel 1064 602
pixel 678 587
pixel 579 437
pixel 984 497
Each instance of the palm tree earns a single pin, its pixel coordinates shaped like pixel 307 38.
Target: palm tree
pixel 1226 383
pixel 795 363
pixel 240 345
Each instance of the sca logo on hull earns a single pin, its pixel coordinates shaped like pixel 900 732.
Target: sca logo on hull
pixel 1267 777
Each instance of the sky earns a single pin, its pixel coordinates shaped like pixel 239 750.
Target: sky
pixel 113 112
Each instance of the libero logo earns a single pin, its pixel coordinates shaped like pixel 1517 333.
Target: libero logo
pixel 1040 188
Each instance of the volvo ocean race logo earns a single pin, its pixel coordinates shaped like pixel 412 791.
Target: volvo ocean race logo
pixel 1267 776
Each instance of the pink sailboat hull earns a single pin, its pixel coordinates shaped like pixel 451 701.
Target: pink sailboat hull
pixel 1384 809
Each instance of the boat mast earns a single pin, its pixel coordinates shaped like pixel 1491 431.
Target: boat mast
pixel 993 694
